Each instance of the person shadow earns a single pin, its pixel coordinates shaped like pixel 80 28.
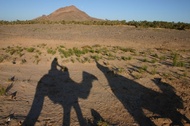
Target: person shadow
pixel 136 98
pixel 58 86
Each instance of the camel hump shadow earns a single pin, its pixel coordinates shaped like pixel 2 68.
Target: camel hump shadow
pixel 138 97
pixel 58 86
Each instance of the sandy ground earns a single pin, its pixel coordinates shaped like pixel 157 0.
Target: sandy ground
pixel 138 86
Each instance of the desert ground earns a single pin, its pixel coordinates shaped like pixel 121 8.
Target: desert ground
pixel 54 74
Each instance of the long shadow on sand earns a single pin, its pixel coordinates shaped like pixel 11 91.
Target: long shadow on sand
pixel 136 98
pixel 61 89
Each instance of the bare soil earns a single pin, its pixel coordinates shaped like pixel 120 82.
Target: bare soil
pixel 126 76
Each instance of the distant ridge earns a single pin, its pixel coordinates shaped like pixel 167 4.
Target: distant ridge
pixel 68 13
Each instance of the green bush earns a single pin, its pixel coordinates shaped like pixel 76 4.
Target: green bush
pixel 31 49
pixel 2 90
pixel 51 51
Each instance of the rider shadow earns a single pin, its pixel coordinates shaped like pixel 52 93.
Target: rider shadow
pixel 136 98
pixel 61 89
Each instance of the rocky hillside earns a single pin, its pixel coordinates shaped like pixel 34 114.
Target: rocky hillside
pixel 69 13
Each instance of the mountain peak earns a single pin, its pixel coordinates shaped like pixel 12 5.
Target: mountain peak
pixel 68 13
pixel 67 9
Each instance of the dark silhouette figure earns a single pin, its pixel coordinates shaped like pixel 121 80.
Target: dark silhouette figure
pixel 61 89
pixel 135 97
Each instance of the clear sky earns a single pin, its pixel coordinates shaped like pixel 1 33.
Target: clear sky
pixel 138 10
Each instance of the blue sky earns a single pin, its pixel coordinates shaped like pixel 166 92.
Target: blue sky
pixel 138 10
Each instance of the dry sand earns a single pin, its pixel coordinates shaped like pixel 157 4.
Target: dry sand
pixel 143 90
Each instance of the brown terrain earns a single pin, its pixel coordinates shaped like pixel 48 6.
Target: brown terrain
pixel 74 75
pixel 69 13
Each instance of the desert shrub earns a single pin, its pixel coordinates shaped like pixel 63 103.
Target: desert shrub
pixel 72 60
pixel 110 56
pixel 41 45
pixel 62 46
pixel 126 58
pixel 145 60
pixel 66 53
pixel 23 61
pixel 153 71
pixel 162 58
pixel 176 61
pixel 96 45
pixel 153 61
pixel 51 51
pixel 127 49
pixel 31 49
pixel 142 69
pixel 144 24
pixel 2 90
pixel 155 55
pixel 1 59
pixel 78 52
pixel 102 123
pixel 96 57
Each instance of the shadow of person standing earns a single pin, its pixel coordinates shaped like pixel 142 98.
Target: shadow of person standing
pixel 136 98
pixel 61 89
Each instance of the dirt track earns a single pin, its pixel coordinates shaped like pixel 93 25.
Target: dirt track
pixel 134 81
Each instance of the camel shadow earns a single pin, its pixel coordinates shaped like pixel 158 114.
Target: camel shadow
pixel 61 89
pixel 136 98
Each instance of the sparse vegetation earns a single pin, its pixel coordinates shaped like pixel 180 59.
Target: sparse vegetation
pixel 51 51
pixel 2 90
pixel 31 49
pixel 102 123
pixel 153 71
pixel 176 61
pixel 126 66
pixel 1 59
pixel 143 24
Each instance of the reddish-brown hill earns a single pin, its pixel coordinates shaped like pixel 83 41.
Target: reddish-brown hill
pixel 69 13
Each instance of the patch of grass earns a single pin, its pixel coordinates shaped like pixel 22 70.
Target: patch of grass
pixel 66 53
pixel 102 123
pixel 145 60
pixel 120 70
pixel 137 76
pixel 41 45
pixel 23 61
pixel 31 49
pixel 176 61
pixel 72 60
pixel 153 61
pixel 62 46
pixel 1 59
pixel 153 71
pixel 127 49
pixel 79 52
pixel 110 56
pixel 86 59
pixel 51 51
pixel 96 57
pixel 78 59
pixel 96 45
pixel 166 75
pixel 142 69
pixel 2 90
pixel 126 58
pixel 162 58
pixel 155 55
pixel 38 52
pixel 36 61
